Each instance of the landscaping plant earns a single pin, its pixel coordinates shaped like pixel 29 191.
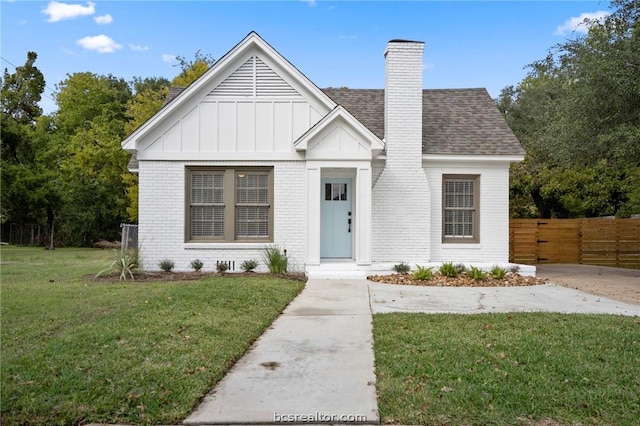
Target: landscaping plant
pixel 275 259
pixel 497 272
pixel 249 265
pixel 222 267
pixel 423 273
pixel 197 265
pixel 448 269
pixel 124 264
pixel 476 273
pixel 402 268
pixel 166 265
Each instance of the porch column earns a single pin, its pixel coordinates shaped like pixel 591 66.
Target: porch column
pixel 313 216
pixel 363 216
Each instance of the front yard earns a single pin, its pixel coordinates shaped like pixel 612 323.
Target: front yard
pixel 77 351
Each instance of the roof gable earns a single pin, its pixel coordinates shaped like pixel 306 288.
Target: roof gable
pixel 251 69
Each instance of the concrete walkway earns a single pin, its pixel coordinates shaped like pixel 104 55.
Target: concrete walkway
pixel 313 365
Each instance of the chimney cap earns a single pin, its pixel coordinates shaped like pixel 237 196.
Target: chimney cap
pixel 399 40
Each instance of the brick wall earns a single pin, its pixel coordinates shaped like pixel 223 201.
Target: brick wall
pixel 401 195
pixel 494 215
pixel 162 217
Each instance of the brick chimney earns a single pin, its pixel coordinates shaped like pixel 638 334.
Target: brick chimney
pixel 403 102
pixel 401 197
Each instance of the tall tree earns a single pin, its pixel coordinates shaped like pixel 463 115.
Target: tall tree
pixel 91 118
pixel 577 113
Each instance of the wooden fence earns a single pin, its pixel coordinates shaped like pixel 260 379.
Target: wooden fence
pixel 606 242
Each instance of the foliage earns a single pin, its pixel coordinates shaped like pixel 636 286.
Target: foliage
pixel 197 265
pixel 514 269
pixel 249 265
pixel 21 92
pixel 497 272
pixel 476 273
pixel 577 114
pixel 422 273
pixel 191 70
pixel 166 265
pixel 222 267
pixel 448 269
pixel 70 354
pixel 506 369
pixel 401 268
pixel 124 264
pixel 275 260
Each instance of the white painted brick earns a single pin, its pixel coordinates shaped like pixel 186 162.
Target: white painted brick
pixel 162 208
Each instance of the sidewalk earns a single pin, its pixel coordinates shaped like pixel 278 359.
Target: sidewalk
pixel 313 365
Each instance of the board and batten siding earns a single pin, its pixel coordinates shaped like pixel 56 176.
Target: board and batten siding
pixel 252 110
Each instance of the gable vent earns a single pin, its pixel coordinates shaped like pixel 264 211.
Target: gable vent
pixel 254 78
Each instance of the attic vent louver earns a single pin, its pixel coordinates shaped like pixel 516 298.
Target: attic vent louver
pixel 254 78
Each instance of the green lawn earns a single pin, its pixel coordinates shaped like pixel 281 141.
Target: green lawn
pixel 78 351
pixel 507 369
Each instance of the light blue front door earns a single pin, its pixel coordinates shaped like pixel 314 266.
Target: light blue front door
pixel 336 218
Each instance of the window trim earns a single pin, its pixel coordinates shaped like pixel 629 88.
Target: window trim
pixel 229 204
pixel 475 239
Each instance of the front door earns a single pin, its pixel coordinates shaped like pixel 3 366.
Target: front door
pixel 336 218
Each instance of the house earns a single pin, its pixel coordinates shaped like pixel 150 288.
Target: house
pixel 253 153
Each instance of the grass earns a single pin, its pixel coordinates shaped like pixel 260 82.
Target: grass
pixel 507 369
pixel 77 351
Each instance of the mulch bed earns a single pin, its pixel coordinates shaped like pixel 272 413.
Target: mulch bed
pixel 146 276
pixel 511 280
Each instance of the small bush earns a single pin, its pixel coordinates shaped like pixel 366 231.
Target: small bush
pixel 461 268
pixel 249 265
pixel 124 263
pixel 196 265
pixel 166 265
pixel 498 273
pixel 514 269
pixel 422 274
pixel 448 269
pixel 274 259
pixel 476 273
pixel 402 268
pixel 222 267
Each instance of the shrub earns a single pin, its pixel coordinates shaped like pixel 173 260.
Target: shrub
pixel 197 265
pixel 448 269
pixel 476 273
pixel 514 269
pixel 461 268
pixel 123 264
pixel 249 265
pixel 222 267
pixel 497 272
pixel 274 259
pixel 422 274
pixel 402 268
pixel 166 265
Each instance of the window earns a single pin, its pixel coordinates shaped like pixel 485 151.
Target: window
pixel 229 205
pixel 460 195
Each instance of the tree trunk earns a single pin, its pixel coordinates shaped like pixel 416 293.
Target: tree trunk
pixel 50 219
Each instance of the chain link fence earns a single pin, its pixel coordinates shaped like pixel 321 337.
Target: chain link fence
pixel 129 241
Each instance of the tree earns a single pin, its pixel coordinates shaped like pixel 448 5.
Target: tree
pixel 577 114
pixel 31 192
pixel 91 119
pixel 192 70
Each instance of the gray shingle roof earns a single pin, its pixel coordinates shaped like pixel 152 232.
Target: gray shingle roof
pixel 455 121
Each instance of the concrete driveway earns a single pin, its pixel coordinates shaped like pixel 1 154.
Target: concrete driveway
pixel 615 283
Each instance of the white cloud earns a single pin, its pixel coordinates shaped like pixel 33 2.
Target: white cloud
pixel 167 57
pixel 580 24
pixel 23 22
pixel 100 43
pixel 60 11
pixel 428 66
pixel 137 48
pixel 103 20
pixel 311 3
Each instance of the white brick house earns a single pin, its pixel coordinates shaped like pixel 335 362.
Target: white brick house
pixel 254 154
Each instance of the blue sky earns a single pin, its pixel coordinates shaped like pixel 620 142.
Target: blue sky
pixel 334 43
